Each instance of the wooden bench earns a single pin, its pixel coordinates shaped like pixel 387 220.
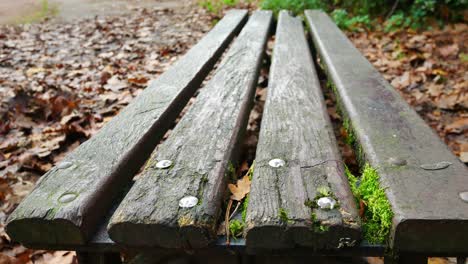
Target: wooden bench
pixel 90 203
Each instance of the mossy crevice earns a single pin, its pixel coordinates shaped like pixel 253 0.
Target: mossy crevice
pixel 378 212
pixel 283 216
pixel 316 225
pixel 236 228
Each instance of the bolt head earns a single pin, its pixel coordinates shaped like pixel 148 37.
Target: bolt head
pixel 67 197
pixel 163 164
pixel 436 166
pixel 396 161
pixel 64 165
pixel 188 202
pixel 326 203
pixel 276 163
pixel 464 196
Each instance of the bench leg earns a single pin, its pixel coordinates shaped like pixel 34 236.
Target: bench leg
pixel 461 260
pixel 98 258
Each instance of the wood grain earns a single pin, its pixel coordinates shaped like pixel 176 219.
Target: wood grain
pixel 296 128
pixel 91 176
pixel 428 212
pixel 201 147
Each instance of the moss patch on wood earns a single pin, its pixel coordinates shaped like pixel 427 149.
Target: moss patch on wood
pixel 283 216
pixel 245 204
pixel 236 228
pixel 316 225
pixel 378 213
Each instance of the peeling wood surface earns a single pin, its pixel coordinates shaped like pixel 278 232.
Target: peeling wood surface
pixel 429 214
pixel 66 205
pixel 296 128
pixel 201 148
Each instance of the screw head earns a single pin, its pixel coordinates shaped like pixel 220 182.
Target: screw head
pixel 67 197
pixel 436 166
pixel 396 161
pixel 464 196
pixel 64 164
pixel 276 163
pixel 188 202
pixel 326 203
pixel 163 164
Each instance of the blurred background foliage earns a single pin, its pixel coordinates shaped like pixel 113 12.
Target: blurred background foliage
pixel 365 14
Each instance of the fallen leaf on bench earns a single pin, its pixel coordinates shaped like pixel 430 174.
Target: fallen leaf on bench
pixel 241 189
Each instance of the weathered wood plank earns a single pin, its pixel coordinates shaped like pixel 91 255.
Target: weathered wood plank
pixel 201 148
pixel 72 197
pixel 282 209
pixel 429 214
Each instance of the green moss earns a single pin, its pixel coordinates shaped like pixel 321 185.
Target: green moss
pixel 463 57
pixel 251 170
pixel 323 191
pixel 317 226
pixel 283 216
pixel 231 172
pixel 309 203
pixel 236 228
pixel 245 203
pixel 378 212
pixel 244 207
pixel 350 136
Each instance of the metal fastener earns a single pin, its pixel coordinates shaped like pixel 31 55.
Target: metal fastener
pixel 188 202
pixel 464 196
pixel 67 197
pixel 163 164
pixel 396 161
pixel 436 166
pixel 326 203
pixel 64 164
pixel 276 163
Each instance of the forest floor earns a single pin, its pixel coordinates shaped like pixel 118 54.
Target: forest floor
pixel 62 79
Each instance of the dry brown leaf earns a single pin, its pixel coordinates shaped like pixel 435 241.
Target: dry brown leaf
pixel 457 126
pixel 464 157
pixel 438 261
pixel 449 50
pixel 138 80
pixel 464 152
pixel 57 257
pixel 241 189
pixel 447 101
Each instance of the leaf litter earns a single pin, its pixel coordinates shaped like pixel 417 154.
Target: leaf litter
pixel 60 83
pixel 429 69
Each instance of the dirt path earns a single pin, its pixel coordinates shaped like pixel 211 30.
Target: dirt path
pixel 30 11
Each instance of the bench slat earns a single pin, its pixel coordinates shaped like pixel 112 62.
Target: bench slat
pixel 201 148
pixel 72 197
pixel 296 128
pixel 429 214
